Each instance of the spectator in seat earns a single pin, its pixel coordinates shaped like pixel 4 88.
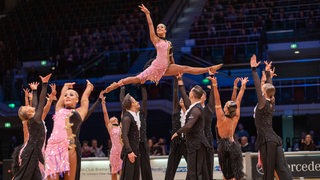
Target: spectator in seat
pixel 245 145
pixel 307 144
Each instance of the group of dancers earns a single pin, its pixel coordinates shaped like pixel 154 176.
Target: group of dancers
pixel 191 125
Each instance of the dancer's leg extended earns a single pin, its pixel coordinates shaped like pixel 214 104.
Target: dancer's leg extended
pixel 175 69
pixel 125 81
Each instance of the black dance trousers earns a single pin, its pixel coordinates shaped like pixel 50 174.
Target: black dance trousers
pixel 131 171
pixel 210 159
pixel 146 173
pixel 177 150
pixel 197 164
pixel 272 158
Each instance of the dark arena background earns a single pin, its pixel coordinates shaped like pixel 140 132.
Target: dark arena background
pixel 106 40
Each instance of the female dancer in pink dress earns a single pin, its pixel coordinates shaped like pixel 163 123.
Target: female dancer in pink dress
pixel 114 130
pixel 163 65
pixel 63 149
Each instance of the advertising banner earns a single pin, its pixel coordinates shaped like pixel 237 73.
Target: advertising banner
pixel 99 168
pixel 301 165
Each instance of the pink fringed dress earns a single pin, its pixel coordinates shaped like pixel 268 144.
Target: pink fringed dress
pixel 115 160
pixel 159 66
pixel 56 153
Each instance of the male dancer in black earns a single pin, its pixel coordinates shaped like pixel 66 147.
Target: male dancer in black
pixel 177 145
pixel 31 159
pixel 195 137
pixel 135 152
pixel 268 142
pixel 208 111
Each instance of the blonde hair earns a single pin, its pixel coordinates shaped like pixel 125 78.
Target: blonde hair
pixel 22 114
pixel 232 107
pixel 75 92
pixel 269 89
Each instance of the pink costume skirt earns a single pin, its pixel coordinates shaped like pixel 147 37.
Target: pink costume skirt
pixel 115 162
pixel 57 158
pixel 153 73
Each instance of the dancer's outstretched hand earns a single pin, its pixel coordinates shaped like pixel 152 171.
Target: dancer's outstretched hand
pixel 53 94
pixel 90 84
pixel 272 72
pixel 144 9
pixel 46 78
pixel 244 81
pixel 26 92
pixel 69 85
pixel 34 85
pixel 53 89
pixel 253 61
pixel 235 82
pixel 268 65
pixel 101 96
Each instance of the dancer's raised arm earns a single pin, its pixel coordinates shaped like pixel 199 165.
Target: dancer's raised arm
pixel 234 89
pixel 153 37
pixel 254 64
pixel 217 101
pixel 269 73
pixel 42 98
pixel 84 103
pixel 50 98
pixel 26 96
pixel 34 87
pixel 175 98
pixel 122 93
pixel 240 94
pixel 94 105
pixel 105 113
pixel 183 92
pixel 144 100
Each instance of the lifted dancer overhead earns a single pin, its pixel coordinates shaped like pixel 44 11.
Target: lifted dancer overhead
pixel 163 65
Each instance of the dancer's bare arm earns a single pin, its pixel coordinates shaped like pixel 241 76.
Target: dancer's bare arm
pixel 235 88
pixel 270 73
pixel 26 96
pixel 218 108
pixel 105 114
pixel 240 95
pixel 153 37
pixel 84 103
pixel 51 97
